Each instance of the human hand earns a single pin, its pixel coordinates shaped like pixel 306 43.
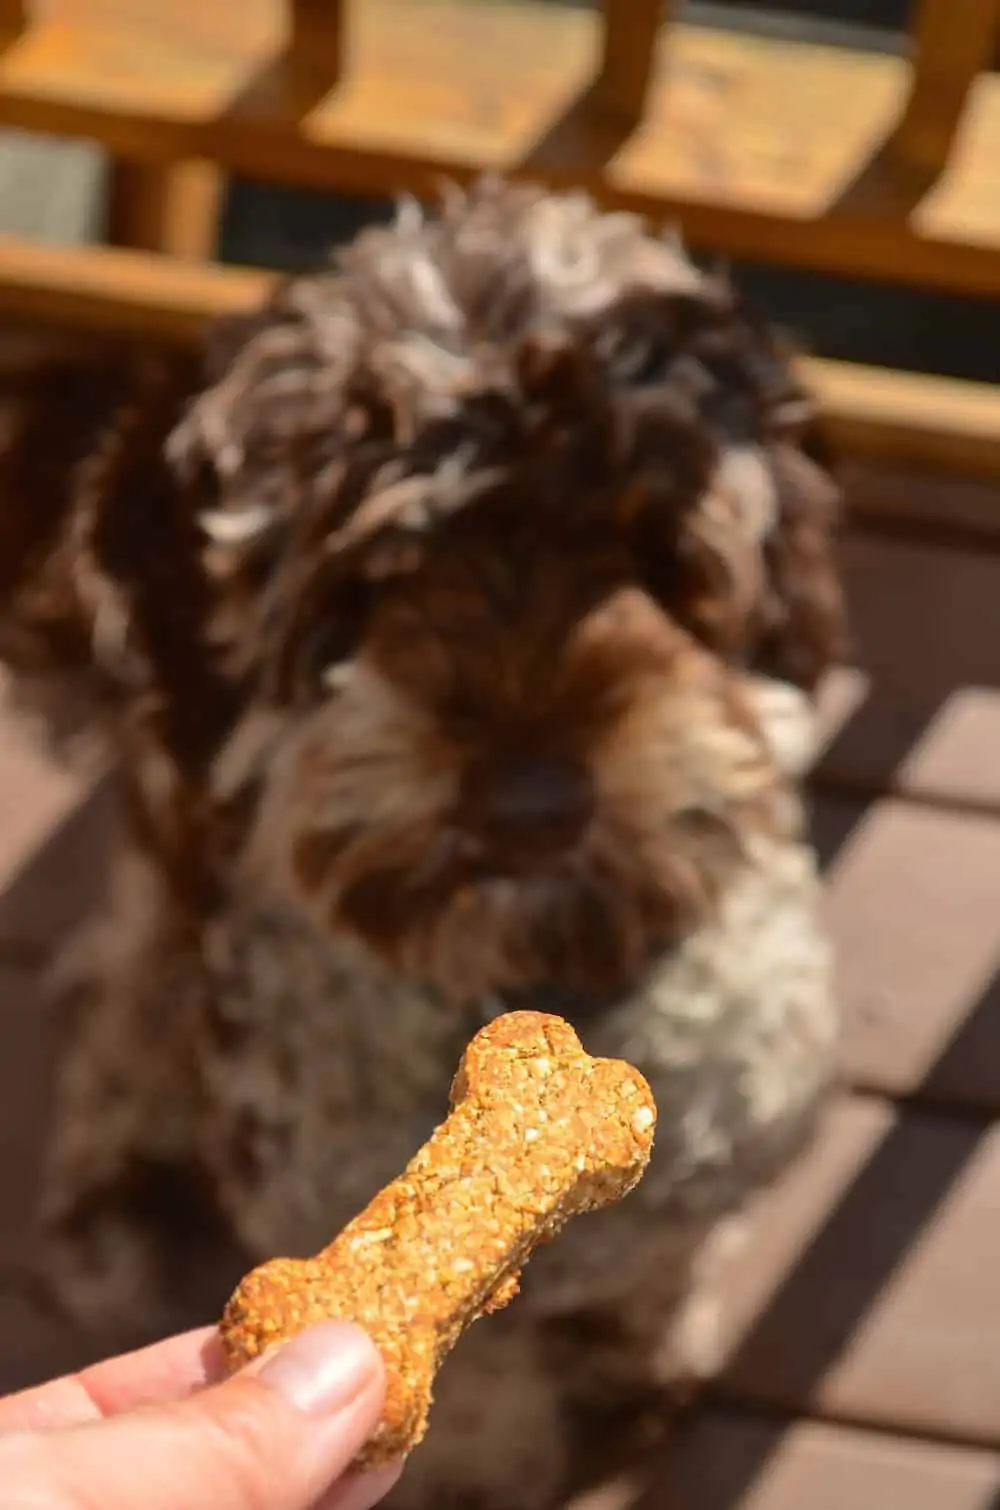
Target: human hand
pixel 165 1430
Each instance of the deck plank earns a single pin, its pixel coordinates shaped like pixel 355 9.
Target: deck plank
pixel 865 1288
pixel 913 907
pixel 736 1461
pixel 925 622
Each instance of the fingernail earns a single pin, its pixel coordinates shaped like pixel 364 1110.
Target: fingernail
pixel 324 1369
pixel 362 1490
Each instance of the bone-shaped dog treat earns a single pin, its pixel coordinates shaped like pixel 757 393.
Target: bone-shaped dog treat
pixel 538 1132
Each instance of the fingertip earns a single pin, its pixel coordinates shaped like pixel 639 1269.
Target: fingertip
pixel 324 1369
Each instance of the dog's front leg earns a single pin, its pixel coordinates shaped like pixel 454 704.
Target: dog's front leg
pixel 134 1238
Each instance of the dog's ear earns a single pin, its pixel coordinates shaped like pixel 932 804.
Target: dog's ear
pixel 801 631
pixel 103 600
pixel 55 402
pixel 746 562
pixel 733 520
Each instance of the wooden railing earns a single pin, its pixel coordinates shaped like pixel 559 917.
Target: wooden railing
pixel 789 152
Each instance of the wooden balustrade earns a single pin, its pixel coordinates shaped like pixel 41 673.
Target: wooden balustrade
pixel 791 152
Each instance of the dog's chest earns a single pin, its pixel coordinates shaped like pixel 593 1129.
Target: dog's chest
pixel 327 1073
pixel 331 1070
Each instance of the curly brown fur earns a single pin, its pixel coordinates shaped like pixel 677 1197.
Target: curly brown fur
pixel 519 344
pixel 456 647
pixel 83 430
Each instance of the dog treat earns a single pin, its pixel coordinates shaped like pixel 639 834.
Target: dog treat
pixel 538 1133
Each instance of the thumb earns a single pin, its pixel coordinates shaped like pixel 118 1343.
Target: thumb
pixel 275 1437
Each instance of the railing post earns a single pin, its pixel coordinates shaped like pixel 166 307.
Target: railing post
pixel 953 41
pixel 175 208
pixel 13 18
pixel 171 208
pixel 317 42
pixel 631 30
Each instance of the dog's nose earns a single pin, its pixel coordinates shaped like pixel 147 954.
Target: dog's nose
pixel 535 802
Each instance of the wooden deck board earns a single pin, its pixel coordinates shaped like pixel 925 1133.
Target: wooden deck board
pixel 913 907
pixel 734 1460
pixel 925 628
pixel 865 1293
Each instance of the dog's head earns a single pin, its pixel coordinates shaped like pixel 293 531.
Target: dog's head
pixel 498 511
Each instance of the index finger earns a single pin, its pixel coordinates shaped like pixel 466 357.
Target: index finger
pixel 167 1370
